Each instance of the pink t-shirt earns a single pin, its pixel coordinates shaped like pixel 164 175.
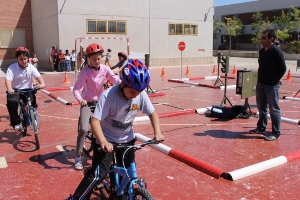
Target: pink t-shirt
pixel 92 82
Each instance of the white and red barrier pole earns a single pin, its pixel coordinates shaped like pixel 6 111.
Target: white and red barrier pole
pixel 262 166
pixel 60 100
pixel 199 165
pixel 291 98
pixel 283 119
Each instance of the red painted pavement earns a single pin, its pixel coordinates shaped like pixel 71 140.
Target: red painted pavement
pixel 224 144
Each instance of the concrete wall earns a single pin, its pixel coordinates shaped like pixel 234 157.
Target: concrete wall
pixel 59 22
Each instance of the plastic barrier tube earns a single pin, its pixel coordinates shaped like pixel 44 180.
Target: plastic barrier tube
pixel 291 98
pixel 256 168
pixel 201 166
pixel 283 119
pixel 60 100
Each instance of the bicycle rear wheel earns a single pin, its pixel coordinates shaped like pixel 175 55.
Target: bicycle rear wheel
pixel 35 129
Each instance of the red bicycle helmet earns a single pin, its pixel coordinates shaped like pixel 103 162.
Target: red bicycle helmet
pixel 93 48
pixel 123 54
pixel 22 50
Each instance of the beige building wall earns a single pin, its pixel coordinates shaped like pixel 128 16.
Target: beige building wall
pixel 59 22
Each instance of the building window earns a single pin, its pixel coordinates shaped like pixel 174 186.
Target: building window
pixel 183 29
pixel 106 26
pixel 12 38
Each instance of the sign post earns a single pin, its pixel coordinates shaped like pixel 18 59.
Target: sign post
pixel 181 47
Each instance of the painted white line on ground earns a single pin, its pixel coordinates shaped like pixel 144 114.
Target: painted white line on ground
pixel 3 163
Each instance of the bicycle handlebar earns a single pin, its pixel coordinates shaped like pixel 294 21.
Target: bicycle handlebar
pixel 25 91
pixel 117 147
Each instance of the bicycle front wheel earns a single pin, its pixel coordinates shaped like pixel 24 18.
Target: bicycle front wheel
pixel 35 129
pixel 142 194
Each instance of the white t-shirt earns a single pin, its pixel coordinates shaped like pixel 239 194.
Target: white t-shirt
pixel 73 57
pixel 21 79
pixel 67 57
pixel 117 114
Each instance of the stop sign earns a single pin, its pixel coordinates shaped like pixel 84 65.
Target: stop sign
pixel 181 46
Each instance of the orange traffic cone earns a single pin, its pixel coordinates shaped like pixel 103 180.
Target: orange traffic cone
pixel 234 70
pixel 187 70
pixel 163 72
pixel 214 69
pixel 66 78
pixel 289 76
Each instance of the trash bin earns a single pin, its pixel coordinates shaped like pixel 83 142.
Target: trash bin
pixel 298 64
pixel 147 58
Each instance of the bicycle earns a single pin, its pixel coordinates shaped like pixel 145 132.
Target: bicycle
pixel 88 146
pixel 28 115
pixel 124 181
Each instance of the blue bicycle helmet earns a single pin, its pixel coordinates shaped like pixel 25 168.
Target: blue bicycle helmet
pixel 135 75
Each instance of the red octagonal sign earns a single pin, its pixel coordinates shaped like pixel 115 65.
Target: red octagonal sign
pixel 181 46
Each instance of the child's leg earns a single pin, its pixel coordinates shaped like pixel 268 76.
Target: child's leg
pixel 12 107
pixel 100 167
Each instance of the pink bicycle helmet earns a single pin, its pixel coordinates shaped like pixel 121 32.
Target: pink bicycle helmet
pixel 135 75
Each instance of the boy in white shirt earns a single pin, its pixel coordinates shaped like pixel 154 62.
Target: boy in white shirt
pixel 19 76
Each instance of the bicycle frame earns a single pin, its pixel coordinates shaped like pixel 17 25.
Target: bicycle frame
pixel 27 107
pixel 121 171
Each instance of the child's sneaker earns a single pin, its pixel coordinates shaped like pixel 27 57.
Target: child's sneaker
pixel 18 127
pixel 78 164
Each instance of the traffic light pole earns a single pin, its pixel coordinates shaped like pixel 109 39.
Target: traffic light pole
pixel 223 102
pixel 218 78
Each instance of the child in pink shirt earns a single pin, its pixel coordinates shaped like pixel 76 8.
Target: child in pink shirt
pixel 91 80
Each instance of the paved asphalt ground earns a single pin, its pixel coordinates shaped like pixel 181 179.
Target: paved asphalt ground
pixel 223 144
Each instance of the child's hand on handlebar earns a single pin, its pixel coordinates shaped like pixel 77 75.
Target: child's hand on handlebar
pixel 106 146
pixel 10 91
pixel 159 138
pixel 42 86
pixel 83 102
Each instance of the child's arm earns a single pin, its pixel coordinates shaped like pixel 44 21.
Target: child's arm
pixel 41 81
pixel 98 133
pixel 156 126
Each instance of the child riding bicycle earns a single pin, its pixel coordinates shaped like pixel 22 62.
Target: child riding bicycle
pixel 91 79
pixel 19 76
pixel 112 123
pixel 122 61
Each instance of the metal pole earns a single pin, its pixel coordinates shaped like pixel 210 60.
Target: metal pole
pixel 181 65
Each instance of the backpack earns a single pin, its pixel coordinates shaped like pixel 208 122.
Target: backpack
pixel 228 112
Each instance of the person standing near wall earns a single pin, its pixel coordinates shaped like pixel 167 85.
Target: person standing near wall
pixel 62 61
pixel 73 60
pixel 52 57
pixel 34 60
pixel 271 69
pixel 68 61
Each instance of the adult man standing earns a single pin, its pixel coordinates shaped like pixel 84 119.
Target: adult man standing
pixel 271 69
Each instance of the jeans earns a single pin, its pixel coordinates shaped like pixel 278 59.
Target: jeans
pixel 68 65
pixel 268 95
pixel 62 66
